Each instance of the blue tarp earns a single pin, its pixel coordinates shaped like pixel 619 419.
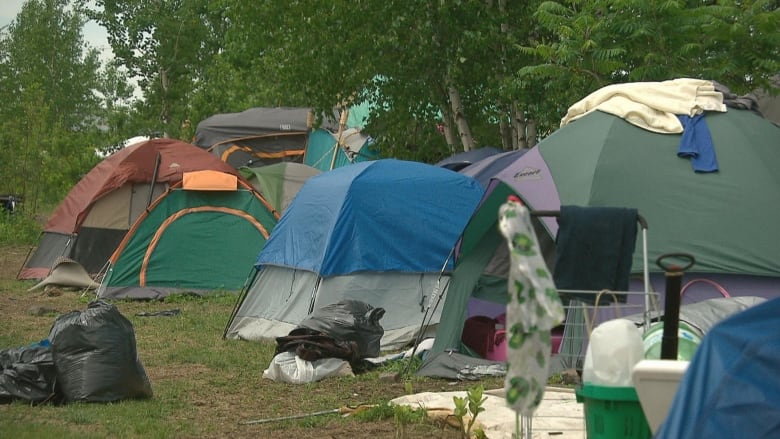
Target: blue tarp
pixel 383 215
pixel 731 388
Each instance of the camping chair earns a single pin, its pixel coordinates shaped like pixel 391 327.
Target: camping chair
pixel 583 291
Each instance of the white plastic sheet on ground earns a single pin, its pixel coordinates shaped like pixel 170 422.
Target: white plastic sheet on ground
pixel 287 367
pixel 533 310
pixel 559 415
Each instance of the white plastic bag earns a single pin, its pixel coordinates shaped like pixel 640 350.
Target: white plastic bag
pixel 289 368
pixel 614 349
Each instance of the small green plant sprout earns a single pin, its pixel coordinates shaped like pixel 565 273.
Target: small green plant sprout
pixel 405 415
pixel 379 412
pixel 470 405
pixel 408 387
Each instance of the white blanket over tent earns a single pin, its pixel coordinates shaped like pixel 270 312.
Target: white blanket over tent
pixel 651 105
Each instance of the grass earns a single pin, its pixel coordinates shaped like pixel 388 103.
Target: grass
pixel 203 386
pixel 18 228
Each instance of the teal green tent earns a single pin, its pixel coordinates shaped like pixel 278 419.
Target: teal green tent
pixel 199 237
pixel 328 150
pixel 358 115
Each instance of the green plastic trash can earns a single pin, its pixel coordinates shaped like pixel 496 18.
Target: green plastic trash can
pixel 612 412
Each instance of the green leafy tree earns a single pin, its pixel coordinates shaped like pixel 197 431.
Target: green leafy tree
pixel 119 120
pixel 446 76
pixel 165 46
pixel 44 46
pixel 585 45
pixel 50 112
pixel 432 71
pixel 439 77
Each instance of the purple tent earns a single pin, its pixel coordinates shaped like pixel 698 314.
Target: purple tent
pixel 488 167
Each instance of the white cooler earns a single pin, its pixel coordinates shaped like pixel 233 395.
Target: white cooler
pixel 656 383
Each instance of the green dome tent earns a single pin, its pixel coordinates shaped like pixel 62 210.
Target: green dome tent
pixel 200 236
pixel 279 182
pixel 726 219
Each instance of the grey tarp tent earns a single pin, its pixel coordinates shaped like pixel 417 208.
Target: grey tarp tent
pixel 257 136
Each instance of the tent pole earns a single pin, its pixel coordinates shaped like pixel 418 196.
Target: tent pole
pixel 438 295
pixel 337 146
pixel 154 180
pixel 27 259
pixel 646 272
pixel 250 279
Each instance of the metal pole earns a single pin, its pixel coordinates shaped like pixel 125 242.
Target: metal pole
pixel 646 278
pixel 428 315
pixel 285 418
pixel 673 273
pixel 671 315
pixel 154 180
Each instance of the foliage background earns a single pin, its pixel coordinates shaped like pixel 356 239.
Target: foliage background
pixel 438 76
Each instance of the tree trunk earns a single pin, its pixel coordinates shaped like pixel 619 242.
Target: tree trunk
pixel 506 135
pixel 505 124
pixel 532 133
pixel 464 132
pixel 164 113
pixel 446 128
pixel 518 127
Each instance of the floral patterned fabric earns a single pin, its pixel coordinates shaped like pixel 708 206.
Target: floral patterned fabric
pixel 533 309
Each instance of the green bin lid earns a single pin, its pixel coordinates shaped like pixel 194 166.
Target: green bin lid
pixel 606 393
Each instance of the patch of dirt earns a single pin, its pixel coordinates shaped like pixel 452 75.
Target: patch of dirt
pixel 11 260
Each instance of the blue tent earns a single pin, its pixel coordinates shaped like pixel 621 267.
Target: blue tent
pixel 377 231
pixel 731 388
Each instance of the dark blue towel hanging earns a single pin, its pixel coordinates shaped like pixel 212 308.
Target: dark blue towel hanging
pixel 696 144
pixel 594 249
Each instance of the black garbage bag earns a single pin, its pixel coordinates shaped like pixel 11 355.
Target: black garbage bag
pixel 313 345
pixel 350 320
pixel 95 355
pixel 27 373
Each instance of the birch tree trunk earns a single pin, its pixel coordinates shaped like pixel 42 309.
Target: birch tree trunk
pixel 449 136
pixel 518 127
pixel 506 135
pixel 464 132
pixel 531 133
pixel 164 113
pixel 446 124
